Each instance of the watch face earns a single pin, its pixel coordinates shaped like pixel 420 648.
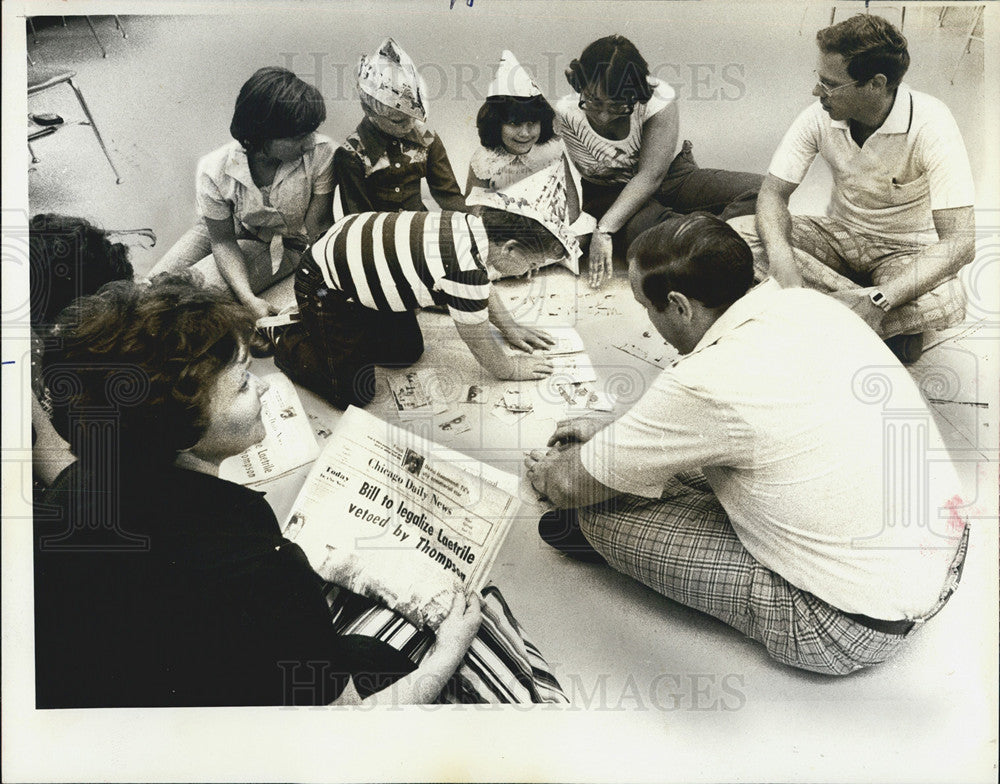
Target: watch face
pixel 878 299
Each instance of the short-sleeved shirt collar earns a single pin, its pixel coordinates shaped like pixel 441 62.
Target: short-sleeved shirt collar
pixel 900 116
pixel 375 142
pixel 238 167
pixel 743 310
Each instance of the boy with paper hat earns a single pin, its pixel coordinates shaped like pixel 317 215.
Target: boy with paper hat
pixel 380 165
pixel 522 166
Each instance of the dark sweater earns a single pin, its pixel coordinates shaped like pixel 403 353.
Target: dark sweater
pixel 193 599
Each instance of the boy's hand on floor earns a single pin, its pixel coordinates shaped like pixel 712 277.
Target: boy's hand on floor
pixel 527 369
pixel 527 338
pixel 260 308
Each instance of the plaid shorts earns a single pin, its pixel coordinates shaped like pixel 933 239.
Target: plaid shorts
pixel 832 256
pixel 683 546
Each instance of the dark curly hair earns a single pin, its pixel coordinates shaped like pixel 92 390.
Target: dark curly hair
pixel 69 258
pixel 145 358
pixel 697 255
pixel 870 45
pixel 275 104
pixel 614 64
pixel 500 109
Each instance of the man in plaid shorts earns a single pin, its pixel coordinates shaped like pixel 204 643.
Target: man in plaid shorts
pixel 785 476
pixel 900 224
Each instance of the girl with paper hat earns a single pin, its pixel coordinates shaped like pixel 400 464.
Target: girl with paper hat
pixel 522 166
pixel 379 167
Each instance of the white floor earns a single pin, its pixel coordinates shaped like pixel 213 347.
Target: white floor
pixel 662 692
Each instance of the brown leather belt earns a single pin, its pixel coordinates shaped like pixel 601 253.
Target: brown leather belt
pixel 886 627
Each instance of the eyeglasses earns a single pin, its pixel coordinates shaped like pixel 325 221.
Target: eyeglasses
pixel 825 91
pixel 615 108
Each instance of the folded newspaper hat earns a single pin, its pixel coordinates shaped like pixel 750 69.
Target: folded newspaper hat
pixel 542 197
pixel 390 77
pixel 512 79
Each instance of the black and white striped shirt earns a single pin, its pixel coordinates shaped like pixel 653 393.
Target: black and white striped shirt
pixel 399 261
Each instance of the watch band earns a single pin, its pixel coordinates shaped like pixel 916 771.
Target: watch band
pixel 879 300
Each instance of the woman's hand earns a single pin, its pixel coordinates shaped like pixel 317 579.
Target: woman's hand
pixel 599 259
pixel 457 630
pixel 527 338
pixel 424 684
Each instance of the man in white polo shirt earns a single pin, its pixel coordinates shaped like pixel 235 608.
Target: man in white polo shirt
pixel 785 476
pixel 900 223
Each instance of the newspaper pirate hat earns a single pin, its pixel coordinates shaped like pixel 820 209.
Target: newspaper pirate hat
pixel 512 79
pixel 390 77
pixel 542 197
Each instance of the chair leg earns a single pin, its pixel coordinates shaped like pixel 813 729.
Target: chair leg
pixel 121 27
pixel 944 10
pixel 34 32
pixel 802 21
pixel 104 52
pixel 97 133
pixel 34 158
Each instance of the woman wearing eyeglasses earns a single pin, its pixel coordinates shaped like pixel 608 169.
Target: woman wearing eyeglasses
pixel 620 127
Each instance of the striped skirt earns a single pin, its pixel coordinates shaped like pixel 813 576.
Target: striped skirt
pixel 502 666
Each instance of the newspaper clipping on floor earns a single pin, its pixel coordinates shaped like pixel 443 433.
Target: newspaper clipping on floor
pixel 395 517
pixel 288 442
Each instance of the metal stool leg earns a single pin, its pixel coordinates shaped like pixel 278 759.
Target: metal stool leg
pixel 34 158
pixel 103 51
pixel 970 36
pixel 802 21
pixel 97 133
pixel 34 32
pixel 121 27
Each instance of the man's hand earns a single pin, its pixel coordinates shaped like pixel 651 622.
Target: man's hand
pixel 536 467
pixel 527 338
pixel 599 259
pixel 858 301
pixel 558 476
pixel 579 429
pixel 782 267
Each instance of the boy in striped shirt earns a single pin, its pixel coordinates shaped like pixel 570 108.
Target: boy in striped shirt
pixel 359 286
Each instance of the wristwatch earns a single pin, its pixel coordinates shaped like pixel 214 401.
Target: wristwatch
pixel 879 300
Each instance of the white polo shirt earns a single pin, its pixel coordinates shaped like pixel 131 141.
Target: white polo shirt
pixel 914 163
pixel 816 442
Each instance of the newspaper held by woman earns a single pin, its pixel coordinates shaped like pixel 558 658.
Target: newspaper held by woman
pixel 393 516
